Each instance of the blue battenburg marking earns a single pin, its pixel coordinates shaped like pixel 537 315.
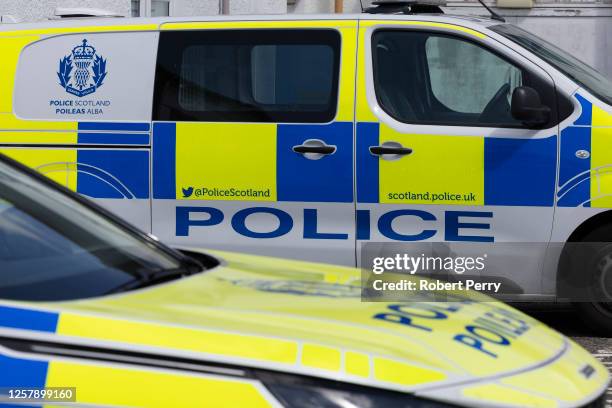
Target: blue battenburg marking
pixel 329 179
pixel 20 373
pixel 573 139
pixel 164 161
pixel 114 138
pixel 367 164
pixel 113 173
pixel 16 318
pixel 115 126
pixel 520 172
pixel 587 112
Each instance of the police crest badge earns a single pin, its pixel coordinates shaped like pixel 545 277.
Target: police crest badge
pixel 82 71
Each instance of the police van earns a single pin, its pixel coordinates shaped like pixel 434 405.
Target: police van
pixel 311 136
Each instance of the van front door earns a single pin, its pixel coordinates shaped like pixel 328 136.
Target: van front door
pixel 253 138
pixel 440 157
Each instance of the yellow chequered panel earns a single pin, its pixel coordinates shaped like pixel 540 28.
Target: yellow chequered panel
pixel 601 117
pixel 8 121
pixel 363 113
pixel 57 164
pixel 601 159
pixel 501 394
pixel 118 386
pixel 219 158
pixel 10 49
pixel 325 358
pixel 346 93
pixel 441 170
pixel 83 29
pixel 40 137
pixel 357 364
pixel 404 374
pixel 203 25
pixel 180 338
pixel 423 24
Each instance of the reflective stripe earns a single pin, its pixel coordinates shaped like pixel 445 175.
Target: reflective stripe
pixel 28 319
pixel 210 342
pixel 324 358
pixel 57 164
pixel 123 386
pixel 84 29
pixel 202 25
pixel 401 373
pixel 370 23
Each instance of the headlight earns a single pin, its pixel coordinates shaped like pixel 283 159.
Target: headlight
pixel 304 392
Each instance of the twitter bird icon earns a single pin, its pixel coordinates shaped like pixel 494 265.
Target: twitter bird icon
pixel 187 192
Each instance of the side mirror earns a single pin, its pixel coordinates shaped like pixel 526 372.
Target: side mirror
pixel 527 107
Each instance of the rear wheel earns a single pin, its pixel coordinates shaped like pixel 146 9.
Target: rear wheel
pixel 592 277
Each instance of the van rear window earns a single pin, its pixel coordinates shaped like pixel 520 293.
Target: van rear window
pixel 247 76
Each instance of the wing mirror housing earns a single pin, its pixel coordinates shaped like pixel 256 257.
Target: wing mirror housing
pixel 527 107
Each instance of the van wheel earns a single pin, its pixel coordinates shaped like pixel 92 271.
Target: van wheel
pixel 594 268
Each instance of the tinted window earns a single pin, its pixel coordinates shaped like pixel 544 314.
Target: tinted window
pixel 572 67
pixel 54 248
pixel 432 78
pixel 248 76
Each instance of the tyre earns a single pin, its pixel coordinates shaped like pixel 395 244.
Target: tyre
pixel 591 279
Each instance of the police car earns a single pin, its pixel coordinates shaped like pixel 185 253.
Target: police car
pixel 309 137
pixel 95 313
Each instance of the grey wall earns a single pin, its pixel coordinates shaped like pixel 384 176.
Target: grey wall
pixel 582 27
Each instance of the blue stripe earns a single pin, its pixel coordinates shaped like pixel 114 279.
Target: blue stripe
pixel 114 138
pixel 367 164
pixel 587 111
pixel 20 373
pixel 164 160
pixel 114 126
pixel 26 319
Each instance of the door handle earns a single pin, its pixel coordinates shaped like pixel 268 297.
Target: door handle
pixel 314 149
pixel 396 150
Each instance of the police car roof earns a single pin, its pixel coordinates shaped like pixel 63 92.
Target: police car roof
pixel 468 21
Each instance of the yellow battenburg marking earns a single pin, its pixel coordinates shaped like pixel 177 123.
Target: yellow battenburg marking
pixel 10 49
pixel 325 358
pixel 441 170
pixel 219 25
pixel 8 121
pixel 39 137
pixel 357 364
pixel 498 393
pixel 346 93
pixel 226 161
pixel 363 112
pixel 601 159
pixel 601 118
pixel 57 164
pixel 454 27
pixel 179 338
pixel 401 373
pixel 84 29
pixel 133 387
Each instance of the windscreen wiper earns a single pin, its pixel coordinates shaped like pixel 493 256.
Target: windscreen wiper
pixel 162 276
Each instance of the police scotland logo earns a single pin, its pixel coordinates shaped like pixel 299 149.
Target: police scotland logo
pixel 81 73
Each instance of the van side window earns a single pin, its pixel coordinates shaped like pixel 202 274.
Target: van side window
pixel 430 78
pixel 248 76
